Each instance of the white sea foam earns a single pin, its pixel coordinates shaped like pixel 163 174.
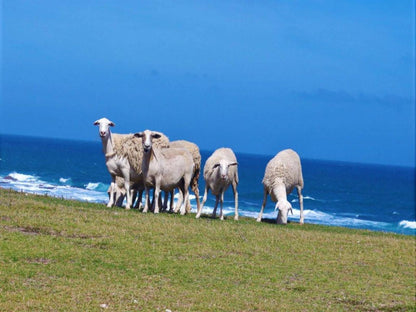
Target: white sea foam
pixel 64 180
pixel 295 200
pixel 92 186
pixel 191 197
pixel 32 184
pixel 20 177
pixel 408 224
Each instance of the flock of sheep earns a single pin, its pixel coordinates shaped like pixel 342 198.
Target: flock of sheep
pixel 147 160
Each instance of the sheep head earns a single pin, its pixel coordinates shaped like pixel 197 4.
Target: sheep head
pixel 284 207
pixel 104 126
pixel 223 166
pixel 147 136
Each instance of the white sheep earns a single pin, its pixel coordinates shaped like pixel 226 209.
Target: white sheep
pixel 165 169
pixel 120 192
pixel 123 154
pixel 283 173
pixel 220 171
pixel 194 150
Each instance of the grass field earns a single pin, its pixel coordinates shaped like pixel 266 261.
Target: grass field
pixel 60 255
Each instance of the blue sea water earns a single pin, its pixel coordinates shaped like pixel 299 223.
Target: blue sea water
pixel 380 198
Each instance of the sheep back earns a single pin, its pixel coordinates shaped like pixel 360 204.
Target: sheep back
pixel 130 147
pixel 284 168
pixel 196 156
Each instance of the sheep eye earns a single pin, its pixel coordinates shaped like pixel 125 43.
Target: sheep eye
pixel 216 165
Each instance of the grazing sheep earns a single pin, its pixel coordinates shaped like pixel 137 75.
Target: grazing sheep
pixel 165 169
pixel 220 171
pixel 194 150
pixel 123 154
pixel 283 173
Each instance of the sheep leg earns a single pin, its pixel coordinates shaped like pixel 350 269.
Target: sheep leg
pixel 221 204
pixel 128 194
pixel 112 191
pixel 188 204
pixel 180 199
pixel 184 210
pixel 133 196
pixel 196 192
pixel 214 213
pixel 146 200
pixel 262 206
pixel 204 199
pixel 165 201
pixel 235 200
pixel 152 203
pixel 300 203
pixel 186 182
pixel 119 197
pixel 156 194
pixel 171 201
pixel 160 204
pixel 139 199
pixel 126 176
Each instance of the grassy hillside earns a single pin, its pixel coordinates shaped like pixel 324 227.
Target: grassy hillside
pixel 59 255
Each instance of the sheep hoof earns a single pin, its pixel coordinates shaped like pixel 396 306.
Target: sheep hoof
pixel 197 216
pixel 236 218
pixel 127 208
pixel 258 219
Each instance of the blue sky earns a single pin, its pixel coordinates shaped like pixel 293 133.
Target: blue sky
pixel 331 79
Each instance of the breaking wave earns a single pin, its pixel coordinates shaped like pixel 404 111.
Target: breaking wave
pixel 408 224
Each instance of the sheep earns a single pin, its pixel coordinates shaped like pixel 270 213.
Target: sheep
pixel 194 150
pixel 283 173
pixel 220 171
pixel 165 169
pixel 123 154
pixel 120 192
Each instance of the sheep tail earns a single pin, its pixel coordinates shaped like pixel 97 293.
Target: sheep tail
pixel 194 181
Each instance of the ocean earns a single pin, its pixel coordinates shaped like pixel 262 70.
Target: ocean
pixel 373 197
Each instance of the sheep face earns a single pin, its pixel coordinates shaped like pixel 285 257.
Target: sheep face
pixel 222 167
pixel 104 126
pixel 284 208
pixel 147 136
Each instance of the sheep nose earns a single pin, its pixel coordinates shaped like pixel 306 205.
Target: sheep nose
pixel 102 133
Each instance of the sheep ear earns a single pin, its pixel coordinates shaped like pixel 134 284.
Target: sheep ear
pixel 112 124
pixel 156 135
pixel 96 123
pixel 215 166
pixel 139 134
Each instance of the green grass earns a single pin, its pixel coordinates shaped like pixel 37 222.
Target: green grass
pixel 59 255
